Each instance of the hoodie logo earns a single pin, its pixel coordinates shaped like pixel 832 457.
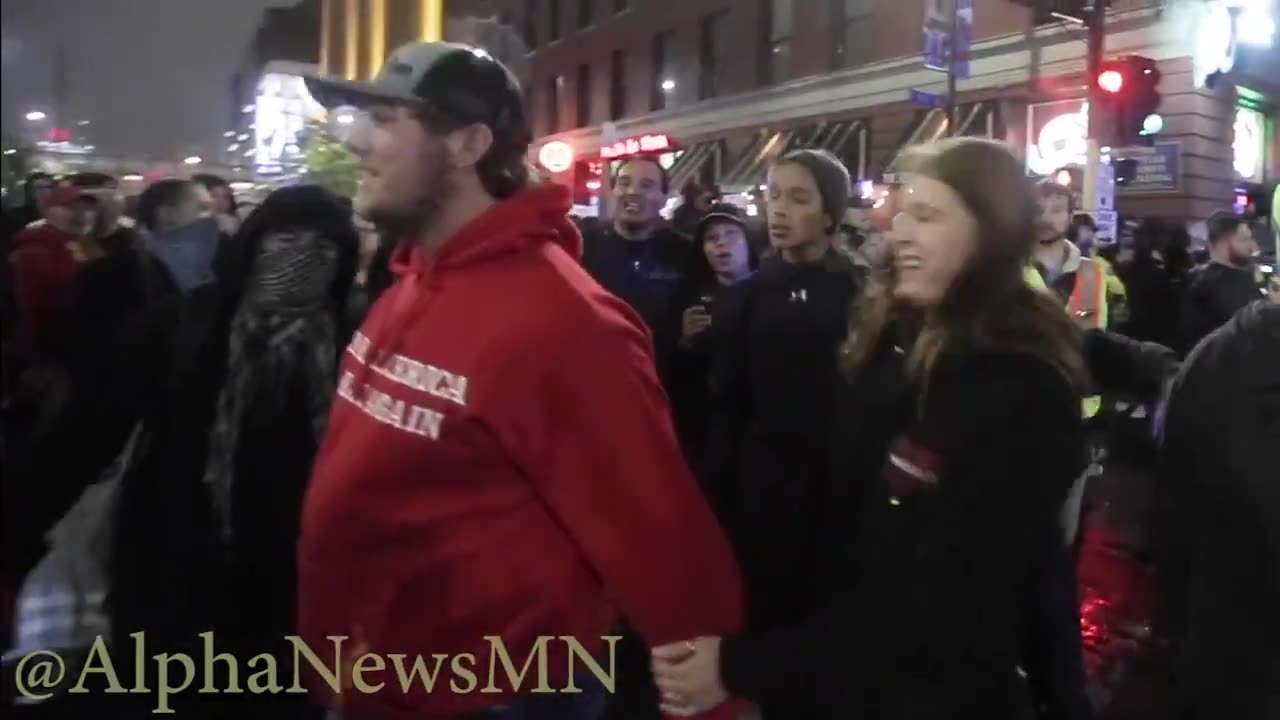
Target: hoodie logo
pixel 910 468
pixel 801 295
pixel 407 372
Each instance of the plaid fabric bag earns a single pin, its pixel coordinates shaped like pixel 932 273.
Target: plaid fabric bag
pixel 61 604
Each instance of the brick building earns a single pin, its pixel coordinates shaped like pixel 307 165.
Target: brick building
pixel 730 84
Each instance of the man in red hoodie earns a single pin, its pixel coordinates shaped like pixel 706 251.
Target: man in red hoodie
pixel 500 482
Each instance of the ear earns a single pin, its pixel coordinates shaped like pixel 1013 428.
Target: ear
pixel 468 145
pixel 164 216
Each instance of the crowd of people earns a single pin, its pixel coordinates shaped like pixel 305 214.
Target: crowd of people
pixel 809 467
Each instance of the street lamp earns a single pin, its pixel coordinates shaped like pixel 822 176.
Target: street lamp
pixel 193 160
pixel 36 116
pixel 668 85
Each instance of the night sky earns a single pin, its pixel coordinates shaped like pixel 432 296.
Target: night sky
pixel 153 77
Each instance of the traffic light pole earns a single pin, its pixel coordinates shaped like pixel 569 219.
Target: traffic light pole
pixel 951 69
pixel 1096 23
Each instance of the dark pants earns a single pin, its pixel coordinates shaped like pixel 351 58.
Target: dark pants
pixel 1054 656
pixel 587 705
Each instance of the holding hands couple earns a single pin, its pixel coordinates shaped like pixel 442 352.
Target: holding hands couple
pixel 688 676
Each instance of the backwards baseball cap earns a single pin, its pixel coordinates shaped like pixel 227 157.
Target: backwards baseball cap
pixel 65 194
pixel 720 213
pixel 462 83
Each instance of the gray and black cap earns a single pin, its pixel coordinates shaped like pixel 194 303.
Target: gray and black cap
pixel 462 83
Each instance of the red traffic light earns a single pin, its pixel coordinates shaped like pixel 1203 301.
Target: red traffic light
pixel 1110 80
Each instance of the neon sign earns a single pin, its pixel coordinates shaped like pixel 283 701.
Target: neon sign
pixel 556 156
pixel 635 146
pixel 1061 142
pixel 1248 145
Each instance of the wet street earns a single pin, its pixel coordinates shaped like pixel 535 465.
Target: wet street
pixel 1125 658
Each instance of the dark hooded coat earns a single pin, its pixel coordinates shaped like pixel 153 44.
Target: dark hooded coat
pixel 172 575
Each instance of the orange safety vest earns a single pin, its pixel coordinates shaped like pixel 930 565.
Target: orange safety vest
pixel 1088 301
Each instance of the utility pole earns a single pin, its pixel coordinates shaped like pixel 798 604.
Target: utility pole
pixel 951 68
pixel 1096 22
pixel 59 88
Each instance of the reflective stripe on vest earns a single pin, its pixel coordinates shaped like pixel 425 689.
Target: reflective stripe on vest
pixel 1088 296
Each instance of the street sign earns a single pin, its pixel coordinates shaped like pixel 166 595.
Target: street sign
pixel 939 36
pixel 927 99
pixel 1106 222
pixel 963 39
pixel 1155 169
pixel 937 31
pixel 1106 187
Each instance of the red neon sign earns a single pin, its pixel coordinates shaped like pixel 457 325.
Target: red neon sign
pixel 635 146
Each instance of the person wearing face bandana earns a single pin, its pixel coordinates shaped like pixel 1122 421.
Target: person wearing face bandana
pixel 207 525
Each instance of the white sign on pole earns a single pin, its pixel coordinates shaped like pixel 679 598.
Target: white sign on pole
pixel 1106 187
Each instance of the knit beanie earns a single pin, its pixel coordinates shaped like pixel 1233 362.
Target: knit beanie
pixel 831 177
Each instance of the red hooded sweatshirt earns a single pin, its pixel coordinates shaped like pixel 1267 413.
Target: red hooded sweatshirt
pixel 500 461
pixel 45 264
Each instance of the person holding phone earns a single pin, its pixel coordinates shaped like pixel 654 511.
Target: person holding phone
pixel 720 259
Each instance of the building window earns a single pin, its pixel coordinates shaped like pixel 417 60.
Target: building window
pixel 584 13
pixel 584 95
pixel 617 86
pixel 553 20
pixel 713 55
pixel 775 63
pixel 661 84
pixel 553 103
pixel 530 24
pixel 620 5
pixel 851 23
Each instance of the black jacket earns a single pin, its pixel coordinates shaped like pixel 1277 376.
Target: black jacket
pixel 953 487
pixel 94 422
pixel 172 575
pixel 646 274
pixel 1222 546
pixel 1214 293
pixel 686 368
pixel 771 393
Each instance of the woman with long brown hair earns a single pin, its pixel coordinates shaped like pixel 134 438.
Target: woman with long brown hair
pixel 956 438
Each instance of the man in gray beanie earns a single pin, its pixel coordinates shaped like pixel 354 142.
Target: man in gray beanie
pixel 831 177
pixel 773 367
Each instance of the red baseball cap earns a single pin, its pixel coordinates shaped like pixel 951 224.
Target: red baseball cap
pixel 64 194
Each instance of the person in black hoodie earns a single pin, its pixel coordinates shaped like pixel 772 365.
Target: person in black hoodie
pixel 244 368
pixel 771 388
pixel 721 258
pixel 955 442
pixel 1216 291
pixel 1221 557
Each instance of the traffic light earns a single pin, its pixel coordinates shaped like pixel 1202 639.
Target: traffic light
pixel 1128 95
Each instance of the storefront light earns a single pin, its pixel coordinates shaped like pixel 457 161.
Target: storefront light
pixel 1255 24
pixel 1248 144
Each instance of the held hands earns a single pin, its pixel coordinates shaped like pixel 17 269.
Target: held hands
pixel 688 676
pixel 696 320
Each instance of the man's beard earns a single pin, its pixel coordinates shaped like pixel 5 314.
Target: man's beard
pixel 436 187
pixel 1240 261
pixel 1047 237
